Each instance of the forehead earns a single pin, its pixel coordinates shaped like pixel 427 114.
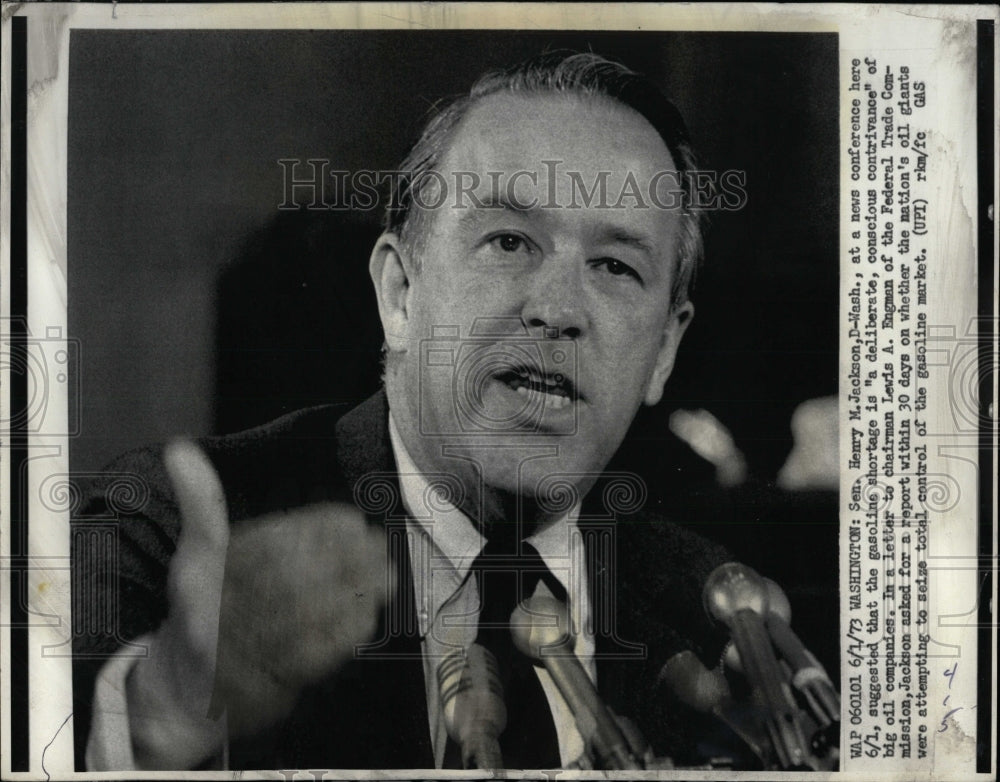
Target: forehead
pixel 586 166
pixel 509 132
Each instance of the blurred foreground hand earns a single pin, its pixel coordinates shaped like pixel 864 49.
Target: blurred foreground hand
pixel 812 463
pixel 257 611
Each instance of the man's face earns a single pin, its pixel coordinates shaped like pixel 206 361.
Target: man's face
pixel 532 326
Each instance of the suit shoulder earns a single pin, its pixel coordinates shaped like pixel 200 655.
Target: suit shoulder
pixel 285 463
pixel 664 567
pixel 650 538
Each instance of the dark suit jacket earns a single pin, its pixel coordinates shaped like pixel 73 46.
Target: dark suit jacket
pixel 645 579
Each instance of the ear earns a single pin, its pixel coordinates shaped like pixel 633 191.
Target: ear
pixel 677 323
pixel 391 271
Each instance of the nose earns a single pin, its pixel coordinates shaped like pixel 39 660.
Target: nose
pixel 554 304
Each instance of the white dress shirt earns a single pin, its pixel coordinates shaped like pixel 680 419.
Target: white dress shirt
pixel 443 543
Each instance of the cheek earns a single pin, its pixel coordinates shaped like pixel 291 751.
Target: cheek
pixel 629 333
pixel 623 368
pixel 433 307
pixel 455 295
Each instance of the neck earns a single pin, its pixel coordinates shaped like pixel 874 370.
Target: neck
pixel 502 507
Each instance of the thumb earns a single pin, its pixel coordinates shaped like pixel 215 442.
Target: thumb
pixel 198 567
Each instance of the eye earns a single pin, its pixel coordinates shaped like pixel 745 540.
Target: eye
pixel 509 243
pixel 617 268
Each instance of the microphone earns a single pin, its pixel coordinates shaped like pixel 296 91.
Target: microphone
pixel 540 638
pixel 808 675
pixel 737 597
pixel 708 692
pixel 472 700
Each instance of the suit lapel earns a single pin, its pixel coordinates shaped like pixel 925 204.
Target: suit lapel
pixel 389 671
pixel 625 647
pixel 363 446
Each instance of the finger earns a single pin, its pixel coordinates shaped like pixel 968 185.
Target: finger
pixel 199 495
pixel 359 548
pixel 197 569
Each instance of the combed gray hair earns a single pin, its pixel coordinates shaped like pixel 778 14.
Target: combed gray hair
pixel 568 73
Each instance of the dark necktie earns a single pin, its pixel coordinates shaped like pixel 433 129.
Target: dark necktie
pixel 507 571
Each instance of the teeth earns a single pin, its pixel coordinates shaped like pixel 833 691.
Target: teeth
pixel 532 376
pixel 556 402
pixel 551 401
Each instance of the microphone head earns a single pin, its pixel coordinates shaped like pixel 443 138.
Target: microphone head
pixel 470 676
pixel 734 587
pixel 539 623
pixel 473 705
pixel 693 684
pixel 777 601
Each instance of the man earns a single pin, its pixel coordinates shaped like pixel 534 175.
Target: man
pixel 293 590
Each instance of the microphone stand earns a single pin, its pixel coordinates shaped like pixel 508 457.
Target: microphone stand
pixel 540 629
pixel 736 597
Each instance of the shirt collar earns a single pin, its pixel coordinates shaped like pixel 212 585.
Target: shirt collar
pixel 450 530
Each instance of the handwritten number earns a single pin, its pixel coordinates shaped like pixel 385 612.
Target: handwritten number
pixel 944 723
pixel 950 675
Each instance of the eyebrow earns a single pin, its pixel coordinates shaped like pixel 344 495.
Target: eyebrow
pixel 479 210
pixel 619 235
pixel 496 200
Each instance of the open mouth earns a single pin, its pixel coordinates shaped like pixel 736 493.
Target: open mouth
pixel 556 390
